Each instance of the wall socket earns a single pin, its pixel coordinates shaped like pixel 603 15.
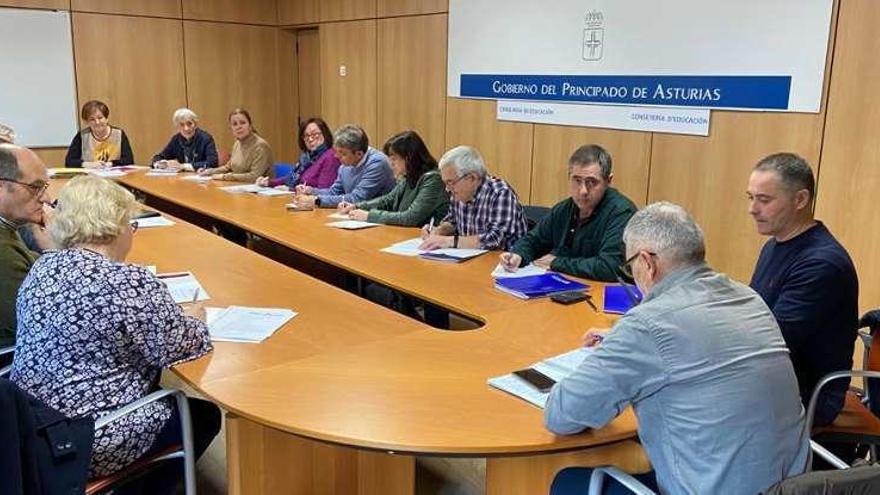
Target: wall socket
pixel 343 70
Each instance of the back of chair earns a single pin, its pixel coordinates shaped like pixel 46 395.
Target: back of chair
pixel 281 169
pixel 871 320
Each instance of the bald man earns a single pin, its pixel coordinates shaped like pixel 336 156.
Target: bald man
pixel 23 183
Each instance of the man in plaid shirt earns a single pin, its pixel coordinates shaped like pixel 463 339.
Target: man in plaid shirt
pixel 484 212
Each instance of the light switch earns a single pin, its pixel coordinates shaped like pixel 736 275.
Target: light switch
pixel 343 70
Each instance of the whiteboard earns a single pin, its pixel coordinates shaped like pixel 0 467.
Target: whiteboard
pixel 37 81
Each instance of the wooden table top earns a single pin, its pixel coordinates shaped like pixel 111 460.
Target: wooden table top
pixel 348 371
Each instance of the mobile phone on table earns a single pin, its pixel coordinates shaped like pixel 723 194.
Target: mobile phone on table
pixel 570 297
pixel 536 379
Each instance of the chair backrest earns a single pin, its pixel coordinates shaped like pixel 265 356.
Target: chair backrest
pixel 281 169
pixel 534 214
pixel 862 479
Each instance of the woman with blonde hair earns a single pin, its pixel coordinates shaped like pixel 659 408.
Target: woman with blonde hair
pixel 251 155
pixel 95 332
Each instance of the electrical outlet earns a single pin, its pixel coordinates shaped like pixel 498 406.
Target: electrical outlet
pixel 343 70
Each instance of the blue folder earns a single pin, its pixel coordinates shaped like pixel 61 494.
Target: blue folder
pixel 538 285
pixel 619 298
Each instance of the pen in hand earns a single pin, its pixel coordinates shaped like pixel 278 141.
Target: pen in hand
pixel 592 304
pixel 196 295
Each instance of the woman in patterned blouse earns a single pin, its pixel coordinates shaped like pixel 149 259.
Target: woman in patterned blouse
pixel 94 332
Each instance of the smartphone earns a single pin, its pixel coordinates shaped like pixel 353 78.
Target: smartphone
pixel 537 379
pixel 568 297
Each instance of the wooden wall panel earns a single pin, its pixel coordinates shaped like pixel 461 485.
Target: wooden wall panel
pixel 298 11
pixel 156 8
pixel 142 83
pixel 709 176
pixel 350 98
pixel 233 65
pixel 630 156
pixel 850 177
pixel 286 148
pixel 37 4
pixel 251 12
pixel 347 10
pixel 309 73
pixel 412 85
pixel 506 146
pixel 389 8
pixel 52 157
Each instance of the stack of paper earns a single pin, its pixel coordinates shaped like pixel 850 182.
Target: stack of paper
pixel 241 324
pixel 159 172
pixel 557 368
pixel 525 271
pixel 109 173
pixel 159 221
pixel 251 188
pixel 183 286
pixel 197 178
pixel 271 191
pixel 352 224
pixel 410 247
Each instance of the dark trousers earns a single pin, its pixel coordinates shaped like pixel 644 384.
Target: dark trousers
pixel 576 481
pixel 164 478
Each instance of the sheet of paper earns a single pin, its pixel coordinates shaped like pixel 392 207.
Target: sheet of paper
pixel 160 221
pixel 211 314
pixel 151 268
pixel 129 168
pixel 462 253
pixel 250 188
pixel 518 387
pixel 109 173
pixel 270 191
pixel 559 367
pixel 197 178
pixel 409 247
pixel 338 216
pixel 243 324
pixel 161 173
pixel 183 286
pixel 525 271
pixel 352 224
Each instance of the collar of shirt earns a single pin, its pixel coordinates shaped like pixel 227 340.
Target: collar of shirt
pixel 363 158
pixel 8 224
pixel 675 278
pixel 482 188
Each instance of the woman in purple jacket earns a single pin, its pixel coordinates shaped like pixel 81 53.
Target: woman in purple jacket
pixel 317 166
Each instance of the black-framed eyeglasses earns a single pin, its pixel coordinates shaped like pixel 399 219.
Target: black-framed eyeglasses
pixel 626 267
pixel 37 188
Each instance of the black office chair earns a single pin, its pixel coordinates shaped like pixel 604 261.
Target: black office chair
pixel 534 214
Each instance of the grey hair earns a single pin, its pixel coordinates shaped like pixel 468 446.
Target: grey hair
pixel 184 115
pixel 351 137
pixel 9 163
pixel 794 172
pixel 465 160
pixel 589 154
pixel 666 229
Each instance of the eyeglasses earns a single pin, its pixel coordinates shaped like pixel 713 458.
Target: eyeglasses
pixel 451 183
pixel 37 188
pixel 626 267
pixel 312 135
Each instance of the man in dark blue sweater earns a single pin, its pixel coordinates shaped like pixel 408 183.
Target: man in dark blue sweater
pixel 806 278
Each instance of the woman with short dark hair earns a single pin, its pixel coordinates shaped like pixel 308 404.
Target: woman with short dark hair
pixel 99 145
pixel 317 165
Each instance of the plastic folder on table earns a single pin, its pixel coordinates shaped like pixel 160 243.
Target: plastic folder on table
pixel 619 298
pixel 538 285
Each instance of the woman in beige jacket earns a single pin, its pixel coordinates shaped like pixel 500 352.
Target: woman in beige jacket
pixel 251 155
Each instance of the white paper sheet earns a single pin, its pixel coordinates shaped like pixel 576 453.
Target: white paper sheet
pixel 243 324
pixel 160 221
pixel 183 286
pixel 525 271
pixel 352 224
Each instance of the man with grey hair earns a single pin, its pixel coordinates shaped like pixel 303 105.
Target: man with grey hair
pixel 365 172
pixel 484 212
pixel 806 277
pixel 581 235
pixel 191 149
pixel 703 363
pixel 23 183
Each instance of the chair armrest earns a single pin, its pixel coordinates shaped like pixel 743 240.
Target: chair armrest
pixel 7 350
pixel 133 406
pixel 597 480
pixel 828 456
pixel 811 408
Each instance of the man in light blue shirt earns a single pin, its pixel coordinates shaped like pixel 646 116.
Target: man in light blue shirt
pixel 365 172
pixel 703 363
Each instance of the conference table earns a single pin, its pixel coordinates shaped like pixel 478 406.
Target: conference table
pixel 346 395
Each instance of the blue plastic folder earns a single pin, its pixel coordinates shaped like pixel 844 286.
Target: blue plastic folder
pixel 619 299
pixel 538 285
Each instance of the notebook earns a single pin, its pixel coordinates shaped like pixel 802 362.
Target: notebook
pixel 556 368
pixel 538 285
pixel 620 298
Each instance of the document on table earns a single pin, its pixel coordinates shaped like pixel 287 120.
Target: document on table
pixel 271 191
pixel 160 221
pixel 352 224
pixel 410 247
pixel 251 188
pixel 108 174
pixel 243 324
pixel 338 215
pixel 197 178
pixel 524 271
pixel 557 368
pixel 183 286
pixel 161 173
